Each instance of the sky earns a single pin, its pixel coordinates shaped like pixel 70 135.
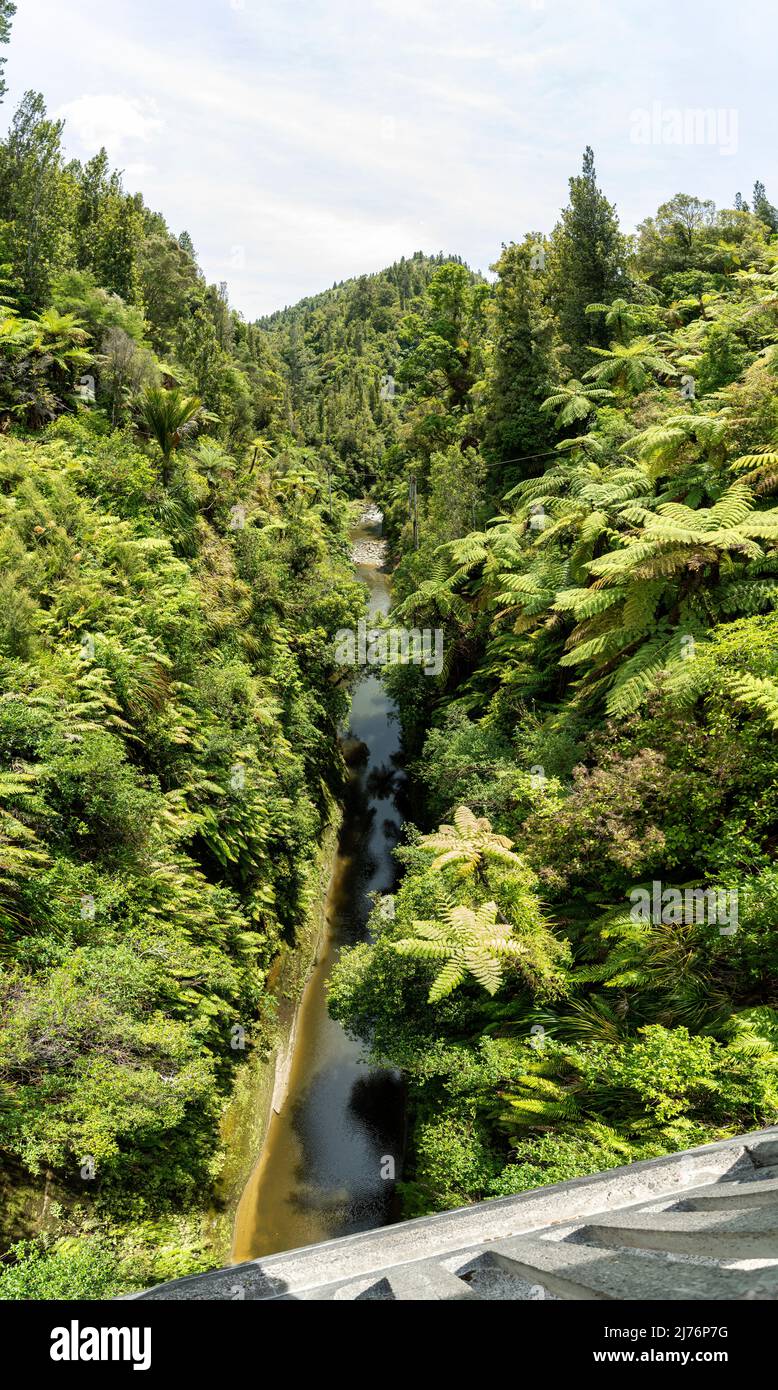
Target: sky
pixel 301 142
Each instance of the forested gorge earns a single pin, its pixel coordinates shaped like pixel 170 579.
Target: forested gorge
pixel 173 567
pixel 577 462
pixel 580 967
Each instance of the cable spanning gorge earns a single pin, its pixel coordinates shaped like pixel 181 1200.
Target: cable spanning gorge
pixel 217 710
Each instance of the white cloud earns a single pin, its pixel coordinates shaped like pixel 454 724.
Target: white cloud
pixel 136 171
pixel 328 137
pixel 113 121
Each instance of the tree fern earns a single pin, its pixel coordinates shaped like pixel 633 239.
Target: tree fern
pixel 757 693
pixel 470 941
pixel 468 843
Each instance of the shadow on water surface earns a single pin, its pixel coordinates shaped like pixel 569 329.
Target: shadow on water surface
pixel 323 1172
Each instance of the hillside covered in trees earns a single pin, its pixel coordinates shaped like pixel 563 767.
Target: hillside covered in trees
pixel 174 565
pixel 580 967
pixel 577 461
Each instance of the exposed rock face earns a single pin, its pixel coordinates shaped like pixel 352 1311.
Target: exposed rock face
pixel 702 1224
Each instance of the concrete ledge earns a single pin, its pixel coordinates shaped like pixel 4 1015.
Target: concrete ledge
pixel 430 1238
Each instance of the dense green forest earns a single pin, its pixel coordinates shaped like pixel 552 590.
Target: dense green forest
pixel 580 967
pixel 174 564
pixel 577 460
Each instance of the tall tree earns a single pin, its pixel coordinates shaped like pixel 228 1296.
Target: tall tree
pixel 587 263
pixel 522 367
pixel 678 237
pixel 109 229
pixel 445 360
pixel 37 198
pixel 763 208
pixel 7 12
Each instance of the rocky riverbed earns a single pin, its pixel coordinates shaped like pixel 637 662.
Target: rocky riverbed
pixel 369 550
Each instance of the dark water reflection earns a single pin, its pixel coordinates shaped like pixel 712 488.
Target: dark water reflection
pixel 328 1152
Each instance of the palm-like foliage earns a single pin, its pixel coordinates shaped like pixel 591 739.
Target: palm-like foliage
pixel 21 854
pixel 759 470
pixel 547 1094
pixel 169 417
pixel 638 573
pixel 261 452
pixel 437 602
pixel 16 334
pixel 679 439
pixel 574 402
pixel 620 317
pixel 475 862
pixel 585 504
pixel 630 367
pixel 295 489
pixel 648 595
pixel 688 682
pixel 62 338
pixel 469 942
pixel 38 360
pixel 664 969
pixel 468 844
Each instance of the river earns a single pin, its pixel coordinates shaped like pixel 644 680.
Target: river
pixel 330 1152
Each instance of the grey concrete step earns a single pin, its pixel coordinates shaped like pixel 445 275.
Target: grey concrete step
pixel 502 1282
pixel 426 1282
pixel 763 1150
pixel 613 1215
pixel 755 1175
pixel 421 1281
pixel 721 1235
pixel 573 1271
pixel 526 1268
pixel 725 1196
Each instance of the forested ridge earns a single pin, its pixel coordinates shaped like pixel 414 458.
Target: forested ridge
pixel 174 565
pixel 577 461
pixel 580 966
pixel 340 352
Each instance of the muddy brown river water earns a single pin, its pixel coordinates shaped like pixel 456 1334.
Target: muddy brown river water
pixel 326 1166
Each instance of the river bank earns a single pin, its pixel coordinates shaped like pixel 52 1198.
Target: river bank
pixel 334 1147
pixel 262 1083
pixel 29 1208
pixel 312 1137
pixel 205 1235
